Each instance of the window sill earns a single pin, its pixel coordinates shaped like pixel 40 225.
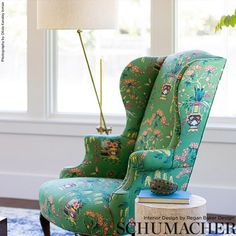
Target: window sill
pixel 61 125
pixel 218 130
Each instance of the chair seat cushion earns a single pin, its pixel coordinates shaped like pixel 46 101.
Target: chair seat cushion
pixel 79 204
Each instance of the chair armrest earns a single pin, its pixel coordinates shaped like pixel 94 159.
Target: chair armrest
pixel 146 161
pixel 151 160
pixel 101 152
pixel 141 166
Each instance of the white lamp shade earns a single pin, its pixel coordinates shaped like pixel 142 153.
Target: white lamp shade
pixel 77 14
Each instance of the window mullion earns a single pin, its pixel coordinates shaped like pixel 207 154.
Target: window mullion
pixel 51 71
pixel 162 27
pixel 36 65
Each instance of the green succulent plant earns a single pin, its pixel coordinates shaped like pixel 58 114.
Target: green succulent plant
pixel 226 21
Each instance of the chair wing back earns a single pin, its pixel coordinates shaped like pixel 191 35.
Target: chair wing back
pixel 196 93
pixel 136 84
pixel 160 127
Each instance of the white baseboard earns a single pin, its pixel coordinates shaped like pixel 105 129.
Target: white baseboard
pixel 220 200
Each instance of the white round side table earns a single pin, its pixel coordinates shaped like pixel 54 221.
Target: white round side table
pixel 171 219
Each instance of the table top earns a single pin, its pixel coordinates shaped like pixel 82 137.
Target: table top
pixel 195 201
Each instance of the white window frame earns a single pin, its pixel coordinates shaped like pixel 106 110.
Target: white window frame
pixel 159 32
pixel 36 80
pixel 41 117
pixel 214 122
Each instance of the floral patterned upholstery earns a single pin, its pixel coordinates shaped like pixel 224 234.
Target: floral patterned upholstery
pixel 71 204
pixel 167 102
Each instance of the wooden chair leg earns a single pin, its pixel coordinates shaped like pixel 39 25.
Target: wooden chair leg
pixel 45 225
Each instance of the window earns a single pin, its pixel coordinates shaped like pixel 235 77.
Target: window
pixel 74 93
pixel 196 22
pixel 141 23
pixel 13 65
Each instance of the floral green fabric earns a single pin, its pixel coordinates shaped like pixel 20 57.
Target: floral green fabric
pixel 67 203
pixel 103 158
pixel 167 102
pixel 107 156
pixel 160 127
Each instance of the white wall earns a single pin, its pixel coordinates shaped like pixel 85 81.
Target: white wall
pixel 34 152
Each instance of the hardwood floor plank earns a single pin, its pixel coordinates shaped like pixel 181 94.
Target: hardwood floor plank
pixel 19 203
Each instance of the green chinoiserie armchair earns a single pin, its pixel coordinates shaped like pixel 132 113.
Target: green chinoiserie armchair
pixel 167 102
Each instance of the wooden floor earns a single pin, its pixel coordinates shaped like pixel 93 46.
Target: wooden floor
pixel 19 203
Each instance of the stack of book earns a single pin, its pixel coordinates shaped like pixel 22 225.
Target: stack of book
pixel 179 197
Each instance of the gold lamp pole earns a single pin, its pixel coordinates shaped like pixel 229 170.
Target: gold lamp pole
pixel 83 14
pixel 101 121
pixel 103 127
